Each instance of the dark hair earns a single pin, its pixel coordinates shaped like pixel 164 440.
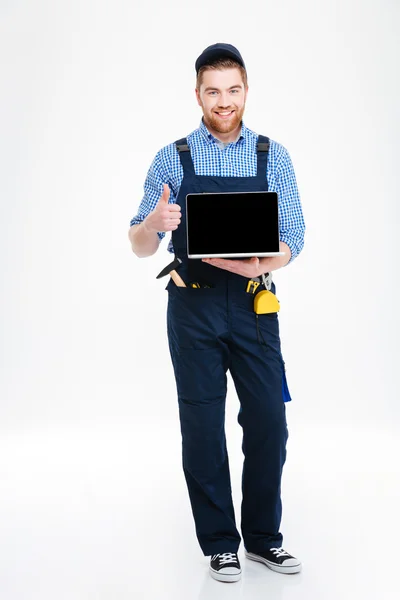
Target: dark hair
pixel 220 64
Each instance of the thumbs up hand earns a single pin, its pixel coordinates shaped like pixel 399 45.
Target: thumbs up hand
pixel 165 217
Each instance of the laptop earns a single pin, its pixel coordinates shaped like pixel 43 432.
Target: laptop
pixel 232 225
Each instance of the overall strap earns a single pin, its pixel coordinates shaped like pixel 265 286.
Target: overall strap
pixel 262 157
pixel 185 156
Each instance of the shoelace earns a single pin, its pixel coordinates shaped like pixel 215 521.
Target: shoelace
pixel 279 552
pixel 226 557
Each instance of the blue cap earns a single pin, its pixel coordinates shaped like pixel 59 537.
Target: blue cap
pixel 216 51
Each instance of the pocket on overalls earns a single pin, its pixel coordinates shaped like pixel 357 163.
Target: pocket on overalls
pixel 191 316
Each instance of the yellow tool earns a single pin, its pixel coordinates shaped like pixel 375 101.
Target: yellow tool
pixel 195 285
pixel 252 285
pixel 266 302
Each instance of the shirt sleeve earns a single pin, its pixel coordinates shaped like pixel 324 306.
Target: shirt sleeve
pixel 153 188
pixel 291 219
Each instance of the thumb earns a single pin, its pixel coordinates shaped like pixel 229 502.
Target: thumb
pixel 165 194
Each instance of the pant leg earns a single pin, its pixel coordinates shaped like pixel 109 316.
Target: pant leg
pixel 200 360
pixel 258 374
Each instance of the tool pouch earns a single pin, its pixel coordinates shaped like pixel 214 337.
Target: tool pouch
pixel 266 302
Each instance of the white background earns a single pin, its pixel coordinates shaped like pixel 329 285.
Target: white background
pixel 92 497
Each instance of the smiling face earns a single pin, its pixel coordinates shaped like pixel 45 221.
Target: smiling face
pixel 222 96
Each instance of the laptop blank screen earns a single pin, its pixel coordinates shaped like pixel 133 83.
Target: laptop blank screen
pixel 230 223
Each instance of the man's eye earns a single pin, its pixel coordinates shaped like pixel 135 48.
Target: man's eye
pixel 235 91
pixel 212 93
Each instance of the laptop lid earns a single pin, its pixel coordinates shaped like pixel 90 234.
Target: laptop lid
pixel 232 225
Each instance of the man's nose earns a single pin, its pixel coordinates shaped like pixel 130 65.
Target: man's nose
pixel 224 100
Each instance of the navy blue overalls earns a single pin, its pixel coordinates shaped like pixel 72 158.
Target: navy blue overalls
pixel 210 330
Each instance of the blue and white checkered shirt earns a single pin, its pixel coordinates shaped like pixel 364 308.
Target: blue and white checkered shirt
pixel 238 159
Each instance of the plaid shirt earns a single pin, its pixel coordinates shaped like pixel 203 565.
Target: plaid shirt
pixel 238 159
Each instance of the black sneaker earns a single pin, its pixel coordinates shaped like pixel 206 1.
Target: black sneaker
pixel 225 567
pixel 276 559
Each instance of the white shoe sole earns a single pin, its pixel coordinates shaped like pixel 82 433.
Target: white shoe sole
pixel 279 569
pixel 225 577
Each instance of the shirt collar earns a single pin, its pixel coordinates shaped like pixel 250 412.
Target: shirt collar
pixel 209 137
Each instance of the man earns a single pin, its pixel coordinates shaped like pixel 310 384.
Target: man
pixel 213 329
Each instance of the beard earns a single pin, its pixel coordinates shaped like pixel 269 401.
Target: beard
pixel 221 126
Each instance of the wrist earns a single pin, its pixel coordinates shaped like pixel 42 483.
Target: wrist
pixel 145 225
